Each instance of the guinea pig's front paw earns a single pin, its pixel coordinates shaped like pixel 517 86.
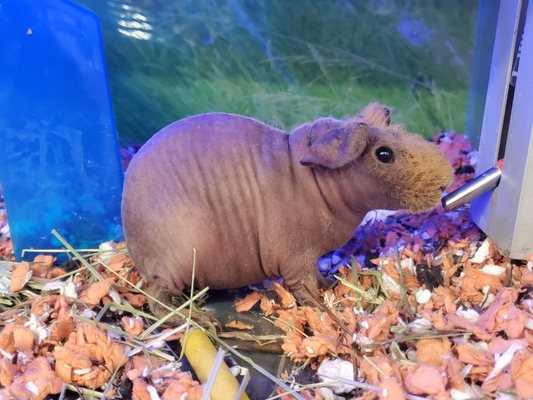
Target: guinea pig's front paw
pixel 161 305
pixel 206 320
pixel 306 291
pixel 202 318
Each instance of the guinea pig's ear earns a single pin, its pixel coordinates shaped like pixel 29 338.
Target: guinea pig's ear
pixel 376 114
pixel 338 146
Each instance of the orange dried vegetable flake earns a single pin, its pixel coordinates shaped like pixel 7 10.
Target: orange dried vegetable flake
pixel 524 276
pixel 287 299
pixel 499 345
pixel 94 293
pixel 444 298
pixel 247 303
pixel 522 374
pixel 474 281
pixel 503 315
pixel 41 265
pixel 482 360
pixel 134 276
pixel 56 272
pixel 368 395
pixel 511 320
pixel 449 269
pixel 341 290
pixel 238 325
pixel 454 370
pixel 437 319
pixel 366 282
pixel 61 329
pixel 292 346
pixel 7 372
pixel 7 341
pixel 43 303
pixel 133 374
pixel 134 326
pixel 425 379
pixel 120 262
pixel 74 360
pixel 433 351
pixel 20 276
pixel 347 317
pixel 390 269
pixel 61 309
pixel 36 382
pixel 177 388
pixel 267 305
pixel 140 390
pixel 379 367
pixel 71 360
pixel 410 281
pixel 390 389
pixel 102 348
pixel 312 318
pixel 6 248
pixel 318 345
pixel 174 383
pixel 502 381
pixel 381 320
pixel 326 325
pixel 46 260
pixel 458 321
pixel 23 338
pixel 290 319
pixel 138 365
pixel 135 299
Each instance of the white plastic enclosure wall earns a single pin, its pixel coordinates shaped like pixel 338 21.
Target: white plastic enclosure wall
pixel 506 214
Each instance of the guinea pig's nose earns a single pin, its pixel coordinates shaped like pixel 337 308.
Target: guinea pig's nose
pixel 442 188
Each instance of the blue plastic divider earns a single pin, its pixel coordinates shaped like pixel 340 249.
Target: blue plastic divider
pixel 59 161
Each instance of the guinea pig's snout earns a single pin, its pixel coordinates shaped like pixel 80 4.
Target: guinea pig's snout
pixel 443 188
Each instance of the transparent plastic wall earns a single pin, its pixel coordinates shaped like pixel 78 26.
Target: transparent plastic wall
pixel 58 144
pixel 285 62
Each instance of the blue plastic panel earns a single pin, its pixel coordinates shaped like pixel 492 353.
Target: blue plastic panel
pixel 60 166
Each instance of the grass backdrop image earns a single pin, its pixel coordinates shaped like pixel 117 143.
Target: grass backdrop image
pixel 286 62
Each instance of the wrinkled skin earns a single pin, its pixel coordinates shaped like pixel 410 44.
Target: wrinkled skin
pixel 256 202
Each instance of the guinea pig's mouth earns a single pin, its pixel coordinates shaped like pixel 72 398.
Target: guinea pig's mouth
pixel 425 201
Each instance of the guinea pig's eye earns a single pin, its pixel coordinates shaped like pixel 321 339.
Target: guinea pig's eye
pixel 385 154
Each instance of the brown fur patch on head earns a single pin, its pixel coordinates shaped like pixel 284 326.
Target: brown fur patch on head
pixel 416 179
pixel 376 114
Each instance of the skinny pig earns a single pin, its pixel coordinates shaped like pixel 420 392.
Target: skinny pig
pixel 256 202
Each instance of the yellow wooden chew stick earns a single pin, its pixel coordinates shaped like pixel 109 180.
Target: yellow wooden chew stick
pixel 201 355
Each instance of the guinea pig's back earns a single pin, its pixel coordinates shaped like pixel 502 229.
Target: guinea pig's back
pixel 204 158
pixel 193 185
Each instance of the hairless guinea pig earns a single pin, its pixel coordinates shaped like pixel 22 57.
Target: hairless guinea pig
pixel 256 202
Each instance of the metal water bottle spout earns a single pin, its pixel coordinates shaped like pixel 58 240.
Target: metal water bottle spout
pixel 488 180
